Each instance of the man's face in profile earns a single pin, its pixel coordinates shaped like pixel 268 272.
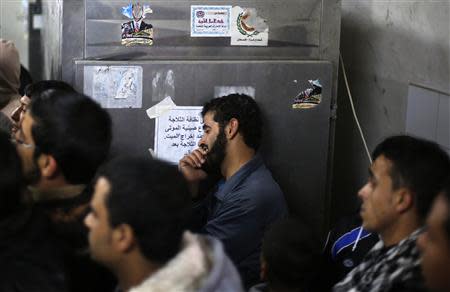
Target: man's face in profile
pixel 435 247
pixel 215 140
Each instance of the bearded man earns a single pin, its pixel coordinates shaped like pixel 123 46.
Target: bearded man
pixel 246 199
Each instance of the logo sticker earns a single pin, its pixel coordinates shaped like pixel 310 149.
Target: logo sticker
pixel 310 97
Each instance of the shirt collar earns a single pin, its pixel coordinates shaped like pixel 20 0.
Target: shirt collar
pixel 239 176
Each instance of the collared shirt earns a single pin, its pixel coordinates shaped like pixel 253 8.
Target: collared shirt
pixel 395 268
pixel 240 211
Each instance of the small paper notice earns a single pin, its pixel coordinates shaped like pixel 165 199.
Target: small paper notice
pixel 247 28
pixel 177 132
pixel 210 21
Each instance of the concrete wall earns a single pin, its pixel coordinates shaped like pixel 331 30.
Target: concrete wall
pixel 386 45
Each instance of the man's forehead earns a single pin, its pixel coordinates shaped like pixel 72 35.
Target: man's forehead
pixel 381 165
pixel 25 100
pixel 208 118
pixel 102 188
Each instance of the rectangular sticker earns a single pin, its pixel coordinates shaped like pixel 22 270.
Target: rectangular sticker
pixel 210 21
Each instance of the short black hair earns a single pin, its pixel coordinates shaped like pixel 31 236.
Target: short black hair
pixel 417 164
pixel 34 90
pixel 291 252
pixel 11 177
pixel 74 129
pixel 241 107
pixel 152 197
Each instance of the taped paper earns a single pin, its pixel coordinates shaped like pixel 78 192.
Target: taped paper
pixel 162 107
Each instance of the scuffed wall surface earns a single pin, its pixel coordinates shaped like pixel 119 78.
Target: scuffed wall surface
pixel 386 45
pixel 51 38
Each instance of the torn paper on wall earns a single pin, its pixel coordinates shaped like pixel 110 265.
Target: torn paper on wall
pixel 226 90
pixel 247 28
pixel 114 86
pixel 161 108
pixel 177 132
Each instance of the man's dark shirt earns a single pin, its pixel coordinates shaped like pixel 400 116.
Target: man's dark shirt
pixel 31 257
pixel 239 212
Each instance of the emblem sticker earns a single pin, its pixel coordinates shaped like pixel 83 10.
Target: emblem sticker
pixel 310 97
pixel 137 31
pixel 247 28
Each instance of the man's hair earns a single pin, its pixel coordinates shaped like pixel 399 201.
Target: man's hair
pixel 152 197
pixel 34 90
pixel 417 164
pixel 291 253
pixel 241 107
pixel 11 178
pixel 74 129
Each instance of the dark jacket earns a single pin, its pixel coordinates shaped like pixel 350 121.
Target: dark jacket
pixel 67 223
pixel 30 256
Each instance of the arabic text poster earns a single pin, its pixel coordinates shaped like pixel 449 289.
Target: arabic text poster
pixel 177 132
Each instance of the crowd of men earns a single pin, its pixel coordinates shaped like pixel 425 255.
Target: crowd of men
pixel 73 218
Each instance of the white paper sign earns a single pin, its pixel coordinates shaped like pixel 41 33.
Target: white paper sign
pixel 177 132
pixel 210 21
pixel 247 28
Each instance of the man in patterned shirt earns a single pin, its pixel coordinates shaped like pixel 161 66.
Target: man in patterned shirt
pixel 405 177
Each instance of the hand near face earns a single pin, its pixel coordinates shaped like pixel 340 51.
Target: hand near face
pixel 191 165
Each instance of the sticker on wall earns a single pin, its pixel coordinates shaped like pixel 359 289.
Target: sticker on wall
pixel 137 31
pixel 309 97
pixel 114 86
pixel 247 28
pixel 210 21
pixel 226 90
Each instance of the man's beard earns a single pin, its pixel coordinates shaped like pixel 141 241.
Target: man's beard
pixel 216 155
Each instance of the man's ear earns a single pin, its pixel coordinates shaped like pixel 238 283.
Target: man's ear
pixel 123 238
pixel 232 128
pixel 403 200
pixel 47 165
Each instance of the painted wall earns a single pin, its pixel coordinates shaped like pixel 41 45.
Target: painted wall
pixel 386 45
pixel 14 25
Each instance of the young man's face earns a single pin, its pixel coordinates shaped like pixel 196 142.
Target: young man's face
pixel 26 147
pixel 97 221
pixel 214 138
pixel 377 210
pixel 435 247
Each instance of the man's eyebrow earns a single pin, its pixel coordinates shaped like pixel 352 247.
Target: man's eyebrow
pixel 205 126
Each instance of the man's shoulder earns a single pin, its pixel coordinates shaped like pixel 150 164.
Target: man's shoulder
pixel 385 267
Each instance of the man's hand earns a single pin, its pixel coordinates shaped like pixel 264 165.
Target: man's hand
pixel 190 165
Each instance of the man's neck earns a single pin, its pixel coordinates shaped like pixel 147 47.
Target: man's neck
pixel 55 191
pixel 135 271
pixel 403 228
pixel 235 158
